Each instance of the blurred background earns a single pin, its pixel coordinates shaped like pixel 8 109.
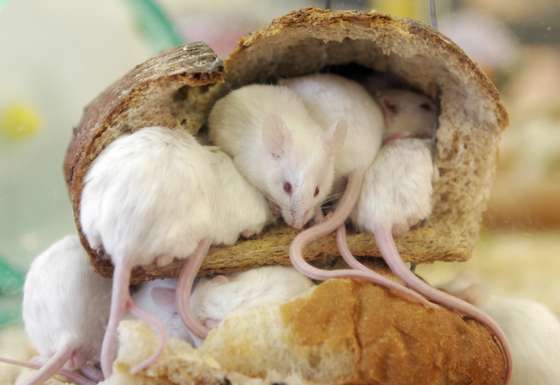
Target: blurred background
pixel 56 55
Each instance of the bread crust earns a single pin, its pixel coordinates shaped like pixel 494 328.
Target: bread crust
pixel 471 120
pixel 349 332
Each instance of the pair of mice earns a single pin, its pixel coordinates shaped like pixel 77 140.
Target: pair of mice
pixel 155 195
pixel 385 195
pixel 294 141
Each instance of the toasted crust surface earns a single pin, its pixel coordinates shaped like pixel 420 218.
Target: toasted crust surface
pixel 347 332
pixel 178 88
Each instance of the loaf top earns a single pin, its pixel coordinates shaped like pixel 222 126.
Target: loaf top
pixel 178 88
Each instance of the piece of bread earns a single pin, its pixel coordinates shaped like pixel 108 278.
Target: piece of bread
pixel 340 332
pixel 177 89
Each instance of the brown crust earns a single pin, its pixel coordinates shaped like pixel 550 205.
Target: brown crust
pixel 460 194
pixel 403 344
pixel 321 18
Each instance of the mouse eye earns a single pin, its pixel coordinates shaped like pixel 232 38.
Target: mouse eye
pixel 426 106
pixel 288 188
pixel 316 191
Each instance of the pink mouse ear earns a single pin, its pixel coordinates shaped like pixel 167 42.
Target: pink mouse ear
pixel 276 136
pixel 389 105
pixel 163 296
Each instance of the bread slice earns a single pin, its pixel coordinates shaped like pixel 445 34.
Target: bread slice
pixel 178 87
pixel 334 334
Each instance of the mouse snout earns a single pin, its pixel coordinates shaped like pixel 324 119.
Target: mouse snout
pixel 298 221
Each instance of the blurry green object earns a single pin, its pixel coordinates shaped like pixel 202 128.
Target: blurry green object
pixel 11 282
pixel 155 24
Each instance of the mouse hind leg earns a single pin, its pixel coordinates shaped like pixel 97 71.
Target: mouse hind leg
pixel 92 373
pixel 184 289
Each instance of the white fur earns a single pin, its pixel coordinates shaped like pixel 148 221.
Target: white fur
pixel 333 98
pixel 149 194
pixel 272 139
pixel 397 188
pixel 157 297
pixel 534 336
pixel 239 208
pixel 65 301
pixel 215 299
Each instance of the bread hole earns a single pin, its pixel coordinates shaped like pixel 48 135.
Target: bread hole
pixel 181 94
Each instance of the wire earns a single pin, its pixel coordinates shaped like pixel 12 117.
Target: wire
pixel 433 14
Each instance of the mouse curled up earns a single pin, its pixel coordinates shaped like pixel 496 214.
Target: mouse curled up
pixel 65 310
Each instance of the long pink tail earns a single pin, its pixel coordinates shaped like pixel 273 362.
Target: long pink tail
pixel 329 225
pixel 184 289
pixel 119 302
pixel 70 375
pixel 156 325
pixel 391 255
pixel 376 278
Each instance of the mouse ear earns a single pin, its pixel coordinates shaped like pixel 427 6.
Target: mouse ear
pixel 163 296
pixel 335 136
pixel 276 136
pixel 389 105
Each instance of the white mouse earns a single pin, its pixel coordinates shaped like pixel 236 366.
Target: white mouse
pixel 65 310
pixel 147 197
pixel 330 99
pixel 397 194
pixel 158 298
pixel 406 114
pixel 278 147
pixel 532 329
pixel 216 298
pixel 239 209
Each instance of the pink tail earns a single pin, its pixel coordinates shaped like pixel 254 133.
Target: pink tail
pixel 119 301
pixel 157 326
pixel 391 255
pixel 53 366
pixel 329 225
pixel 376 278
pixel 184 289
pixel 70 375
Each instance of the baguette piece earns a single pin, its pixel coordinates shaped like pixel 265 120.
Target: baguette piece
pixel 178 88
pixel 340 332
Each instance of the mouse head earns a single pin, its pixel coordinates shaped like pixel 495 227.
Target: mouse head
pixel 302 175
pixel 407 114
